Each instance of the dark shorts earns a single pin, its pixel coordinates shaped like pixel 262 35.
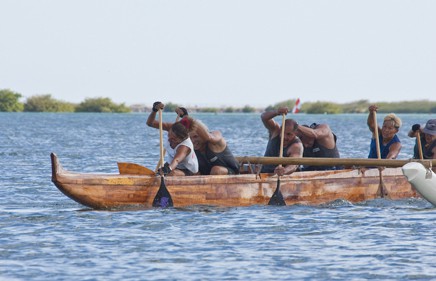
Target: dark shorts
pixel 186 172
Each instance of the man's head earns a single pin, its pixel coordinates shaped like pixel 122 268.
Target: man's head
pixel 290 131
pixel 391 125
pixel 177 134
pixel 199 143
pixel 430 130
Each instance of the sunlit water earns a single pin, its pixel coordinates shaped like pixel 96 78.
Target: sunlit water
pixel 44 235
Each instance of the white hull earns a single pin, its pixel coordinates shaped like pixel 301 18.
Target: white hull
pixel 422 179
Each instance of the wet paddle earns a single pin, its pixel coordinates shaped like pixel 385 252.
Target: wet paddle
pixel 163 197
pixel 381 187
pixel 277 197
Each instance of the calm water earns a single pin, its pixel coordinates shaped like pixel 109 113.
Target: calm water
pixel 46 236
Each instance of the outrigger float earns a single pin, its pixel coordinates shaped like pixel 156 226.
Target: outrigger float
pixel 422 179
pixel 136 186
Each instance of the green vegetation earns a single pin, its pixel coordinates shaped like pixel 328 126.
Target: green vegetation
pixel 288 103
pixel 9 101
pixel 229 109
pixel 323 107
pixel 170 107
pixel 361 106
pixel 101 105
pixel 248 109
pixel 45 103
pixel 208 109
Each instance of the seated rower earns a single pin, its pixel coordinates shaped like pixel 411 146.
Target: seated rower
pixel 181 158
pixel 292 146
pixel 428 140
pixel 390 144
pixel 211 149
pixel 213 153
pixel 318 141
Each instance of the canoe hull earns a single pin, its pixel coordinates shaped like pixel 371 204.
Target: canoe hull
pixel 107 191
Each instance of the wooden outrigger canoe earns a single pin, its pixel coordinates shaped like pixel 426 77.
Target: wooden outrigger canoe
pixel 111 191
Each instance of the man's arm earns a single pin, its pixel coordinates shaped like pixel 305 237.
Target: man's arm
pixel 214 139
pixel 151 120
pixel 371 118
pixel 181 153
pixel 394 150
pixel 268 120
pixel 322 133
pixel 295 151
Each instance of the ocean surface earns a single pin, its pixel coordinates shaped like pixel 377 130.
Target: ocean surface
pixel 44 235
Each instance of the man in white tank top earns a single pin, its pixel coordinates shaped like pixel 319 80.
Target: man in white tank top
pixel 181 158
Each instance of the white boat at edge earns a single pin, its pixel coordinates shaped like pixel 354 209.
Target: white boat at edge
pixel 422 179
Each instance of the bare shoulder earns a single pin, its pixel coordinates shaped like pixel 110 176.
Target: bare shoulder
pixel 295 150
pixel 217 142
pixel 216 133
pixel 323 127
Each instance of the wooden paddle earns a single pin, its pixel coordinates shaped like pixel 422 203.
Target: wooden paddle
pixel 381 186
pixel 164 151
pixel 418 138
pixel 163 197
pixel 277 197
pixel 134 169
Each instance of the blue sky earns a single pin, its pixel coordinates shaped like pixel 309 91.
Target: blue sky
pixel 219 53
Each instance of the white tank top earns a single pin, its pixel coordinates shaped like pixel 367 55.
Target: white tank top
pixel 190 162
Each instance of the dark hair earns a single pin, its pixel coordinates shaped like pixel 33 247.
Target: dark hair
pixel 180 130
pixel 291 123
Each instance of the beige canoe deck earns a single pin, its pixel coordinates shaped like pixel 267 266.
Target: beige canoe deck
pixel 107 191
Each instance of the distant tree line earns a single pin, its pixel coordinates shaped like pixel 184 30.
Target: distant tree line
pixel 10 102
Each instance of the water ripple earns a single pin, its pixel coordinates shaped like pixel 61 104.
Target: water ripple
pixel 46 236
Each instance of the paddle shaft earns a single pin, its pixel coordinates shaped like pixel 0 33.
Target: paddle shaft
pixel 377 141
pixel 277 197
pixel 418 138
pixel 282 136
pixel 377 144
pixel 161 139
pixel 163 197
pixel 160 162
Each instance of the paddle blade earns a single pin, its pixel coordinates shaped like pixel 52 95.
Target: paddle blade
pixel 134 169
pixel 277 197
pixel 163 197
pixel 381 191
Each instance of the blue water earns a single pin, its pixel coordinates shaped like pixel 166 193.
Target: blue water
pixel 44 235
